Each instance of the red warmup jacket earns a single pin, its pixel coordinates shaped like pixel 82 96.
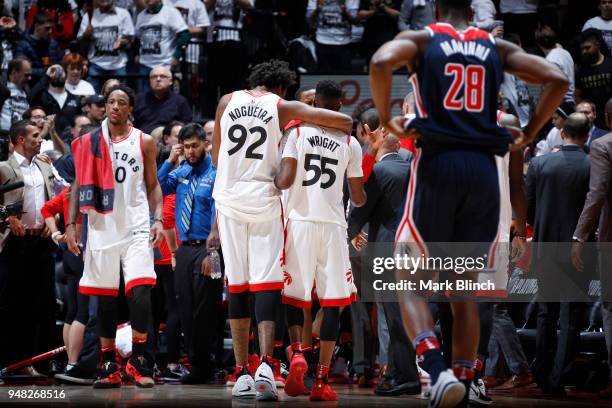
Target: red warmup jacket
pixel 94 171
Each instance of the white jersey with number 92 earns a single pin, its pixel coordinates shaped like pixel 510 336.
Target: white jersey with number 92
pixel 249 158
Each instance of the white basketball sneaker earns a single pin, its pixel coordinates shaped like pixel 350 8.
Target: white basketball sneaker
pixel 447 392
pixel 265 384
pixel 244 387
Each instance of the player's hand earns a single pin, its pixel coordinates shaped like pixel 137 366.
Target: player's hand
pixel 72 239
pixel 397 126
pixel 576 255
pixel 519 138
pixel 213 242
pixel 156 234
pixel 375 138
pixel 205 268
pixel 17 228
pixel 360 241
pixel 173 261
pixel 518 249
pixel 175 152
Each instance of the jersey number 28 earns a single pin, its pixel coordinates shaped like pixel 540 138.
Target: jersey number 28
pixel 238 135
pixel 470 79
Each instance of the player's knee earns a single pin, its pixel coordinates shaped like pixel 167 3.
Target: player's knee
pixel 330 325
pixel 266 303
pixel 239 306
pixel 140 308
pixel 295 316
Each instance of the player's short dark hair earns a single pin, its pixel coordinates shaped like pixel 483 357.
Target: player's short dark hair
pixel 168 128
pixel 125 89
pixel 191 130
pixel 546 37
pixel 328 89
pixel 16 65
pixel 300 91
pixel 272 74
pixel 19 129
pixel 370 117
pixel 577 126
pixel 454 4
pixel 41 18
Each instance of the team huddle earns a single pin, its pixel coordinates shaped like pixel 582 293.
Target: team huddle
pixel 280 219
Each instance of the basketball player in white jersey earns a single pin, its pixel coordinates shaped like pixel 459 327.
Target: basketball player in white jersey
pixel 315 160
pixel 122 239
pixel 249 213
pixel 512 198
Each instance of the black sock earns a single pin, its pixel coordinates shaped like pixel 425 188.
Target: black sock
pixel 429 355
pixel 108 353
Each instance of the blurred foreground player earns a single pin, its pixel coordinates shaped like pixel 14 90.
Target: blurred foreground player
pixel 116 185
pixel 314 162
pixel 249 212
pixel 453 195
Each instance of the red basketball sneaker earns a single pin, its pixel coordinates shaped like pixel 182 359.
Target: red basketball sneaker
pixel 137 369
pixel 294 386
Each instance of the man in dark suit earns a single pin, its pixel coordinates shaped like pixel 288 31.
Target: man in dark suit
pixel 557 185
pixel 27 300
pixel 386 192
pixel 597 207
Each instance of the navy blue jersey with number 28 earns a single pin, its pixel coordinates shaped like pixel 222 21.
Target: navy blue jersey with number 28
pixel 456 90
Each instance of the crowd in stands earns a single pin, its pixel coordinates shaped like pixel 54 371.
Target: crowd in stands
pixel 59 58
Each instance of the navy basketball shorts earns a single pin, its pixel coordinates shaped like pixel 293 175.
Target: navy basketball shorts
pixel 453 197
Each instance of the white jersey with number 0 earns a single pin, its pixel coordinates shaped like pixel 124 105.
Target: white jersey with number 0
pixel 249 158
pixel 130 215
pixel 324 155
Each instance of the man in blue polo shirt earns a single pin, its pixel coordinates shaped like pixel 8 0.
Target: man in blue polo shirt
pixel 197 294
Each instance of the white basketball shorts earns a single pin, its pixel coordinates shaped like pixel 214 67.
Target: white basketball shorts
pixel 253 253
pixel 102 268
pixel 317 252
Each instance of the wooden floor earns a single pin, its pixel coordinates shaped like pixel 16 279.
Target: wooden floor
pixel 215 396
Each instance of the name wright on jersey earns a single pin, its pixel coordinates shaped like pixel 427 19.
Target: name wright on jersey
pixel 324 142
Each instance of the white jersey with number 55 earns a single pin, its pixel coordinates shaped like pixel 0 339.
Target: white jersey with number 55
pixel 324 155
pixel 249 158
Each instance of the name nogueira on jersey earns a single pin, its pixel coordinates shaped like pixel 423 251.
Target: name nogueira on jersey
pixel 324 142
pixel 250 110
pixel 466 48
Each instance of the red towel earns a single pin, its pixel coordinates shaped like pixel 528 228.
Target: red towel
pixel 94 171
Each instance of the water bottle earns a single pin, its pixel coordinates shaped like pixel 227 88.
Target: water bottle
pixel 215 265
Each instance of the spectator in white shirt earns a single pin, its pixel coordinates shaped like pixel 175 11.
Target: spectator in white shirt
pixel 16 103
pixel 546 40
pixel 108 36
pixel 74 65
pixel 196 17
pixel 553 139
pixel 602 23
pixel 163 37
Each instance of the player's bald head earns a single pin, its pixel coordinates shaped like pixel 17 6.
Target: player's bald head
pixel 577 127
